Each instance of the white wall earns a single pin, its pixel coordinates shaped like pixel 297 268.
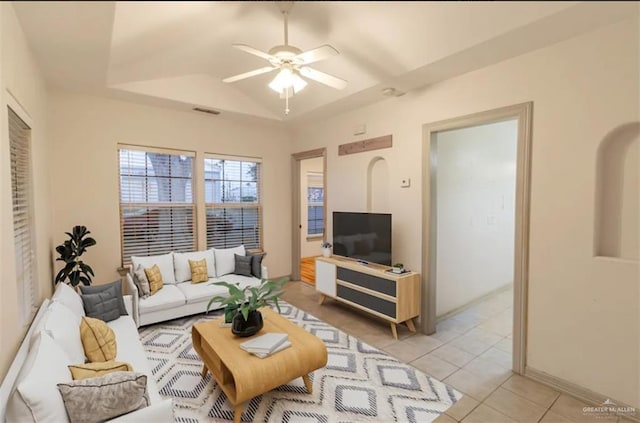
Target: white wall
pixel 20 76
pixel 475 196
pixel 86 131
pixel 583 322
pixel 308 247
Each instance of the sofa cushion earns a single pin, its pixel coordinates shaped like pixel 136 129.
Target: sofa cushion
pixel 181 264
pixel 63 326
pixel 87 370
pixel 243 265
pixel 69 297
pixel 36 397
pixel 98 340
pixel 225 262
pixel 130 350
pixel 202 292
pixel 198 271
pixel 168 297
pixel 155 278
pixel 98 399
pixel 256 264
pixel 141 281
pixel 164 262
pixel 114 289
pixel 101 305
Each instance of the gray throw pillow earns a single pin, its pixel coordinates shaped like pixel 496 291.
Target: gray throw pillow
pixel 141 281
pixel 98 399
pixel 115 288
pixel 243 265
pixel 102 305
pixel 256 264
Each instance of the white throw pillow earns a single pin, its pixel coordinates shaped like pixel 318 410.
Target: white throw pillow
pixel 183 270
pixel 225 261
pixel 164 262
pixel 36 398
pixel 63 326
pixel 69 297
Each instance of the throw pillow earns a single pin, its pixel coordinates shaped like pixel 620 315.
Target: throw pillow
pixel 164 263
pixel 155 279
pixel 98 340
pixel 68 296
pixel 114 287
pixel 198 271
pixel 256 264
pixel 102 305
pixel 242 265
pixel 98 399
pixel 182 268
pixel 225 262
pixel 61 324
pixel 87 370
pixel 141 281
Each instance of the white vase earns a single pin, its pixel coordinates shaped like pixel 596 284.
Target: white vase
pixel 326 252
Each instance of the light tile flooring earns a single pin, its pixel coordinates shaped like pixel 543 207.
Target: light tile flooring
pixel 471 352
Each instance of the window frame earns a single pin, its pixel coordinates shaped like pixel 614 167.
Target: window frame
pixel 193 205
pixel 258 205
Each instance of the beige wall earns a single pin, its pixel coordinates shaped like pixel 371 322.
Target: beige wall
pixel 583 311
pixel 20 76
pixel 308 247
pixel 86 131
pixel 475 194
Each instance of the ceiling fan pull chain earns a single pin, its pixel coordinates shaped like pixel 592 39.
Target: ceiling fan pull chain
pixel 286 102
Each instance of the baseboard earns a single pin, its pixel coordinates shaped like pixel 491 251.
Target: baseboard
pixel 473 302
pixel 584 394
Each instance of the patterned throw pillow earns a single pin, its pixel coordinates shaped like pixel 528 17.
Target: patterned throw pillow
pixel 141 281
pixel 198 271
pixel 98 340
pixel 87 370
pixel 99 399
pixel 155 279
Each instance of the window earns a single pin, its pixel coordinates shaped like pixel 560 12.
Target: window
pixel 157 210
pixel 23 227
pixel 233 202
pixel 315 204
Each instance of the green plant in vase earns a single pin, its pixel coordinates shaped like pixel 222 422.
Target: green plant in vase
pixel 75 270
pixel 243 304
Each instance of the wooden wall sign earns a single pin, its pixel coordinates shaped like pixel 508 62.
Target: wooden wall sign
pixel 385 141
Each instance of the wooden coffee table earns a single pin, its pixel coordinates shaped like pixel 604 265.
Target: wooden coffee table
pixel 243 376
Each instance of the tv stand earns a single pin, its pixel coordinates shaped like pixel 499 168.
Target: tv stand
pixel 392 297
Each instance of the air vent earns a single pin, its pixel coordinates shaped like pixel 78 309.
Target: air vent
pixel 209 111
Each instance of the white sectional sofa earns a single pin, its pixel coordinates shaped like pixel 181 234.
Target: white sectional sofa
pixel 29 392
pixel 178 296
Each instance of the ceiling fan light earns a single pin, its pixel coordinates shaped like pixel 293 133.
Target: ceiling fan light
pixel 287 79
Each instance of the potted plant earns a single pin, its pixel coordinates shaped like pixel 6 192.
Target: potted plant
pixel 398 268
pixel 326 248
pixel 243 304
pixel 75 270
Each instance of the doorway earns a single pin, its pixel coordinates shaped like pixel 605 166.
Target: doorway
pixel 476 216
pixel 309 212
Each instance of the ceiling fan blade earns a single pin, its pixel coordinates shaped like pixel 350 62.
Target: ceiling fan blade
pixel 323 78
pixel 255 51
pixel 315 55
pixel 249 74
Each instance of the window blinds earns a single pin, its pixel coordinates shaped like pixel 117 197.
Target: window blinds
pixel 233 202
pixel 157 209
pixel 23 231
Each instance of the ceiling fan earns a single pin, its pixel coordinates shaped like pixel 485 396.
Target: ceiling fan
pixel 292 65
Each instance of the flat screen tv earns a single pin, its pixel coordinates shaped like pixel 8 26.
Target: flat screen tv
pixel 363 236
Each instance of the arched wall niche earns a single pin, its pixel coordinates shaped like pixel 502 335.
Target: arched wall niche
pixel 617 194
pixel 378 185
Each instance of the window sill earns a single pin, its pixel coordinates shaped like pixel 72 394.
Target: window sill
pixel 314 237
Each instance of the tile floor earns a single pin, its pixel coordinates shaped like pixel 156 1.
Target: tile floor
pixel 471 352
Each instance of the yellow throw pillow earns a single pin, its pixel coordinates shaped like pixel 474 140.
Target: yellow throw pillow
pixel 98 340
pixel 198 271
pixel 87 370
pixel 155 278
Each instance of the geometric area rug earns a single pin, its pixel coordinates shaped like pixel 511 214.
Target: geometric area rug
pixel 359 383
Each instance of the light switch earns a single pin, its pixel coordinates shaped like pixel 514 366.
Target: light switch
pixel 405 182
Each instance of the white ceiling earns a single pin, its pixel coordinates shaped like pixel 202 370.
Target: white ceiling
pixel 177 53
